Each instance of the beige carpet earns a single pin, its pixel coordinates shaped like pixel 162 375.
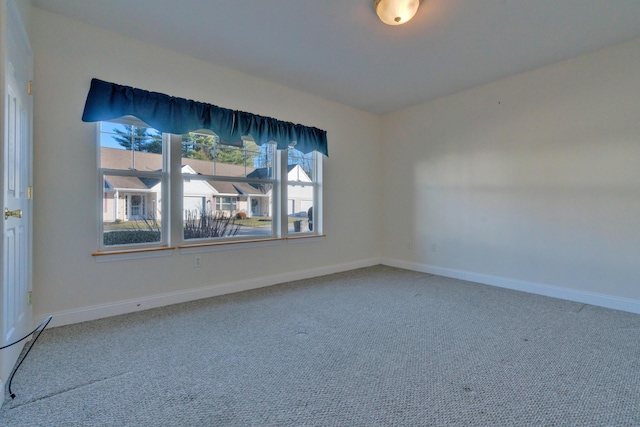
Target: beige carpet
pixel 372 347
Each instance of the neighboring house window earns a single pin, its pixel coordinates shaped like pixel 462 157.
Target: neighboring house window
pixel 133 176
pixel 229 192
pixel 226 205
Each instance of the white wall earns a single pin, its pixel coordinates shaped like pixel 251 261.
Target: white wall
pixel 68 280
pixel 24 9
pixel 530 182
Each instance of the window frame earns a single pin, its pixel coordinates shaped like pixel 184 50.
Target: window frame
pixel 315 183
pixel 163 177
pixel 274 181
pixel 172 200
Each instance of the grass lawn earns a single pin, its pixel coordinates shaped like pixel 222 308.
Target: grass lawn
pixel 128 225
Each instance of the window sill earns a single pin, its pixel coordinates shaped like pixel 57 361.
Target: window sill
pixel 126 254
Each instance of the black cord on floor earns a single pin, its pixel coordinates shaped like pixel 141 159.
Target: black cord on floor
pixel 38 329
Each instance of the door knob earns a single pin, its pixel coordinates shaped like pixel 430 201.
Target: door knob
pixel 17 213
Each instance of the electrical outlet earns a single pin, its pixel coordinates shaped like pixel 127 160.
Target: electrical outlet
pixel 197 261
pixel 410 244
pixel 433 247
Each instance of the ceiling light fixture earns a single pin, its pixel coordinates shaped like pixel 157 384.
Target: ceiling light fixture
pixel 396 12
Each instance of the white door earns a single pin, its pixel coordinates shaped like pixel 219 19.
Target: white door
pixel 16 318
pixel 136 206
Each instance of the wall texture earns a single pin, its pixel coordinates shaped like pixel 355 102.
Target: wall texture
pixel 532 180
pixel 67 279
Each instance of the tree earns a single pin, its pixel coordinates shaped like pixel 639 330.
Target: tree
pixel 140 138
pixel 205 147
pixel 198 146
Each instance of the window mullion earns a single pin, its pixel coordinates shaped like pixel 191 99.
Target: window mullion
pixel 282 193
pixel 174 200
pixel 129 172
pixel 319 191
pixel 228 179
pixel 101 192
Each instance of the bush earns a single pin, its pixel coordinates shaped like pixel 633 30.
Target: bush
pixel 200 225
pixel 127 237
pixel 241 215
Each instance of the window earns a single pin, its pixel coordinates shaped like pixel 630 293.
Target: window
pixel 133 178
pixel 229 192
pixel 303 190
pixel 237 183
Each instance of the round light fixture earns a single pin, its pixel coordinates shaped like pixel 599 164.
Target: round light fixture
pixel 396 12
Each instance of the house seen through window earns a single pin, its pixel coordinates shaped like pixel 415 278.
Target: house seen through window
pixel 133 175
pixel 229 192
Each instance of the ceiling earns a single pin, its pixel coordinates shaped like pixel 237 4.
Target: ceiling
pixel 340 50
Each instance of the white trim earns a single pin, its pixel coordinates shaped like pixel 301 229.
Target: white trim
pixel 125 256
pixel 129 306
pixel 585 297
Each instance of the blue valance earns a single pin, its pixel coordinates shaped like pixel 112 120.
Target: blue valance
pixel 108 101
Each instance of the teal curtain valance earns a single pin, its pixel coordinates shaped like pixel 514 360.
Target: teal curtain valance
pixel 108 101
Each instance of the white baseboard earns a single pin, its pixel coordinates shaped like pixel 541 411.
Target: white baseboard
pixel 84 314
pixel 1 393
pixel 591 298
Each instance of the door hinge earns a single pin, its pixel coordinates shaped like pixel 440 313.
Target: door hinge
pixel 30 87
pixel 30 297
pixel 29 192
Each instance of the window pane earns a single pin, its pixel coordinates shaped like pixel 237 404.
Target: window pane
pixel 205 155
pixel 300 166
pixel 126 146
pixel 300 208
pixel 132 216
pixel 301 175
pixel 218 209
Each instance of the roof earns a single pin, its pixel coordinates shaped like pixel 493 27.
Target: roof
pixel 115 158
pixel 127 182
pixel 265 172
pixel 204 167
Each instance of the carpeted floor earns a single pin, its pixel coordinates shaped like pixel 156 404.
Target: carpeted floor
pixel 372 347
